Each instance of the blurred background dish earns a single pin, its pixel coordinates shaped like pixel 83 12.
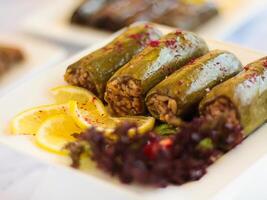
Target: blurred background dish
pixel 9 57
pixel 50 23
pixel 113 15
pixel 27 57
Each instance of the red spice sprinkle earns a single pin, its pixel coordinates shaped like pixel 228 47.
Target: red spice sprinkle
pixel 247 76
pixel 246 68
pixel 94 99
pixel 265 63
pixel 192 61
pixel 119 45
pixel 88 120
pixel 139 38
pixel 178 32
pixel 154 43
pixel 136 36
pixel 147 26
pixel 223 69
pixel 170 43
pixel 180 82
pixel 252 77
pixel 107 48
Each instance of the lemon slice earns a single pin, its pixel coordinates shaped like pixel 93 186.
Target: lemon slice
pixel 29 121
pixel 144 124
pixel 86 100
pixel 87 110
pixel 56 132
pixel 86 118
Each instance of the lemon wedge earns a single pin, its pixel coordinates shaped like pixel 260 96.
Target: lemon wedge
pixel 56 132
pixel 29 121
pixel 85 99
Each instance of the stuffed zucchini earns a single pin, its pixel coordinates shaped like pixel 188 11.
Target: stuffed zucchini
pixel 179 94
pixel 243 98
pixel 127 88
pixel 94 70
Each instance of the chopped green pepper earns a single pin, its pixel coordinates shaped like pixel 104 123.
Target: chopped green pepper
pixel 165 129
pixel 206 144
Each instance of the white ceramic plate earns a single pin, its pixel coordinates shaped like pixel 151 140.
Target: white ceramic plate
pixel 53 21
pixel 72 184
pixel 38 56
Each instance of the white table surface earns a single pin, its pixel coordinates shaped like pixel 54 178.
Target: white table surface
pixel 22 177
